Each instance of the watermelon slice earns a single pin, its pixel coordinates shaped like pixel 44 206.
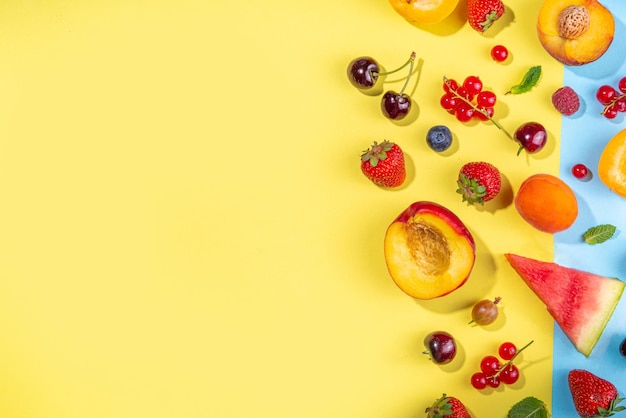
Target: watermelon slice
pixel 581 303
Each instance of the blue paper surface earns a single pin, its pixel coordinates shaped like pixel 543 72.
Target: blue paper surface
pixel 583 138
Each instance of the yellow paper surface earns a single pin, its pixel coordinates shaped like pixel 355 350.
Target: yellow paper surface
pixel 185 230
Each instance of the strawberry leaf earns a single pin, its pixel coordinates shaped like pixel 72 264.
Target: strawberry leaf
pixel 599 234
pixel 530 80
pixel 528 407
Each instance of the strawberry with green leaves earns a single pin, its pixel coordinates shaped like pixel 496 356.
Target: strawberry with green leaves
pixel 481 14
pixel 448 407
pixel 383 164
pixel 592 395
pixel 478 182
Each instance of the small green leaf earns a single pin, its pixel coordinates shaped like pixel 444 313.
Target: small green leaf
pixel 529 407
pixel 599 234
pixel 530 80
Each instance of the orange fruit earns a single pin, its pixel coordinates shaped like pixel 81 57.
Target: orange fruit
pixel 612 164
pixel 547 203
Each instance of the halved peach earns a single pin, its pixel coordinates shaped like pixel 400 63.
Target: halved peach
pixel 575 32
pixel 428 250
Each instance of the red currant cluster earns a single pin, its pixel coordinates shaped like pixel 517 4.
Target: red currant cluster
pixel 493 372
pixel 614 102
pixel 468 100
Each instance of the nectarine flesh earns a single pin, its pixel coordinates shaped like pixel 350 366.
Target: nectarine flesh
pixel 428 250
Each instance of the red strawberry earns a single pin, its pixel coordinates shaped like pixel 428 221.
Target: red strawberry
pixel 384 164
pixel 592 395
pixel 447 406
pixel 478 182
pixel 482 13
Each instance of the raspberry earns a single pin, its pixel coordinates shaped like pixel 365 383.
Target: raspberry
pixel 566 101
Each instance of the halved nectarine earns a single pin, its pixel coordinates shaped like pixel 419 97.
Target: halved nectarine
pixel 575 32
pixel 428 250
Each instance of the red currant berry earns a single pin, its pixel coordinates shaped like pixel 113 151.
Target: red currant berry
pixel 449 102
pixel 489 365
pixel 580 171
pixel 499 53
pixel 622 85
pixel 493 382
pixel 463 92
pixel 486 99
pixel 464 112
pixel 480 113
pixel 507 350
pixel 509 375
pixel 473 85
pixel 479 380
pixel 620 104
pixel 451 84
pixel 605 94
pixel 610 112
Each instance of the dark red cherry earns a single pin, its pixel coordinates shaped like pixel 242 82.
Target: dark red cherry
pixel 363 72
pixel 440 346
pixel 394 105
pixel 531 136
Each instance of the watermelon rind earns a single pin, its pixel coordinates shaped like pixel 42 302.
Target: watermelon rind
pixel 580 302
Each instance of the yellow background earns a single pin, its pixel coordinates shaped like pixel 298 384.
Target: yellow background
pixel 185 231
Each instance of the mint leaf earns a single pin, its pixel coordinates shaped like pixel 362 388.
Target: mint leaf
pixel 530 80
pixel 529 407
pixel 599 234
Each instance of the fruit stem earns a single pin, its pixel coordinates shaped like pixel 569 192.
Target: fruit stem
pixel 476 109
pixel 613 101
pixel 408 62
pixel 411 64
pixel 508 363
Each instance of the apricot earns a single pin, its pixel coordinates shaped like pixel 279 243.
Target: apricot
pixel 575 32
pixel 424 11
pixel 612 164
pixel 428 250
pixel 547 203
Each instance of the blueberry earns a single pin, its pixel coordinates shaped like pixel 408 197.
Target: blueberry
pixel 439 138
pixel 622 348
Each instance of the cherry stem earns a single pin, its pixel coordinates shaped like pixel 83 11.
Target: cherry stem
pixel 408 62
pixel 508 363
pixel 476 109
pixel 613 101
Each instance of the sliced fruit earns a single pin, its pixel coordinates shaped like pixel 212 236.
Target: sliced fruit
pixel 581 303
pixel 575 32
pixel 428 250
pixel 612 164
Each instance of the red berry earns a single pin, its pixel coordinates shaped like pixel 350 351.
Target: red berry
pixel 451 84
pixel 507 350
pixel 493 382
pixel 479 380
pixel 449 102
pixel 465 93
pixel 509 375
pixel 473 85
pixel 486 99
pixel 580 171
pixel 464 112
pixel 620 104
pixel 622 85
pixel 481 116
pixel 605 94
pixel 610 112
pixel 489 365
pixel 499 53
